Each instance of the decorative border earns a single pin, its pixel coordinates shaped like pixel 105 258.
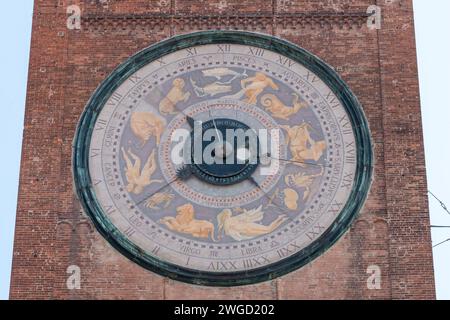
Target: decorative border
pixel 254 21
pixel 87 197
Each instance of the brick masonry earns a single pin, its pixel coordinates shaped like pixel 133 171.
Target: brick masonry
pixel 65 67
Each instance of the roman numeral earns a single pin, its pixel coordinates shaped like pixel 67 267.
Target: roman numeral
pixel 191 51
pixel 109 209
pixel 282 252
pixel 101 124
pixel 346 125
pixel 285 61
pixel 256 51
pixel 347 131
pixel 311 77
pixel 336 207
pixel 332 100
pixel 96 182
pixel 222 265
pixel 115 98
pixel 249 263
pixel 94 152
pixel 254 262
pixel 316 230
pixel 223 48
pixel 347 180
pixel 134 78
pixel 161 61
pixel 129 231
pixel 155 250
pixel 290 248
pixel 117 115
pixel 350 152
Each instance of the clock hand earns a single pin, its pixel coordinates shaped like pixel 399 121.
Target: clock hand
pixel 183 174
pixel 156 191
pixel 190 121
pixel 215 126
pixel 296 161
pixel 253 181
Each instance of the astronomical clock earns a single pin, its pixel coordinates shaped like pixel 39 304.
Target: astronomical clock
pixel 222 158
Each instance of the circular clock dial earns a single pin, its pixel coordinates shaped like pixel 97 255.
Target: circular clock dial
pixel 218 158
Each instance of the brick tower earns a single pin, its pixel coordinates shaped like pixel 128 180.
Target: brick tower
pixel 385 255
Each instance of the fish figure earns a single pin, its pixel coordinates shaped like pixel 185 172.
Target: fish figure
pixel 219 73
pixel 211 89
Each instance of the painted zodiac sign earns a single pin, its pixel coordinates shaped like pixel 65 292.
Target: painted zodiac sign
pixel 176 94
pixel 219 73
pixel 280 110
pixel 289 197
pixel 159 198
pixel 216 87
pixel 210 89
pixel 244 226
pixel 184 222
pixel 137 179
pixel 252 87
pixel 145 125
pixel 302 146
pixel 301 180
pixel 256 85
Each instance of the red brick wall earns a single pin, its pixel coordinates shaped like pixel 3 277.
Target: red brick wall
pixel 67 65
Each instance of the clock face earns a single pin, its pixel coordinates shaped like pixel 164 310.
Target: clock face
pixel 222 158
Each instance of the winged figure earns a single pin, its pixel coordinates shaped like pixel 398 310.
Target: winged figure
pixel 139 179
pixel 245 225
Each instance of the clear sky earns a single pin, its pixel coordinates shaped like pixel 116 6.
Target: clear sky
pixel 15 31
pixel 433 46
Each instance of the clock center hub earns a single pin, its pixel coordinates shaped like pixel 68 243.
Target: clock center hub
pixel 225 152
